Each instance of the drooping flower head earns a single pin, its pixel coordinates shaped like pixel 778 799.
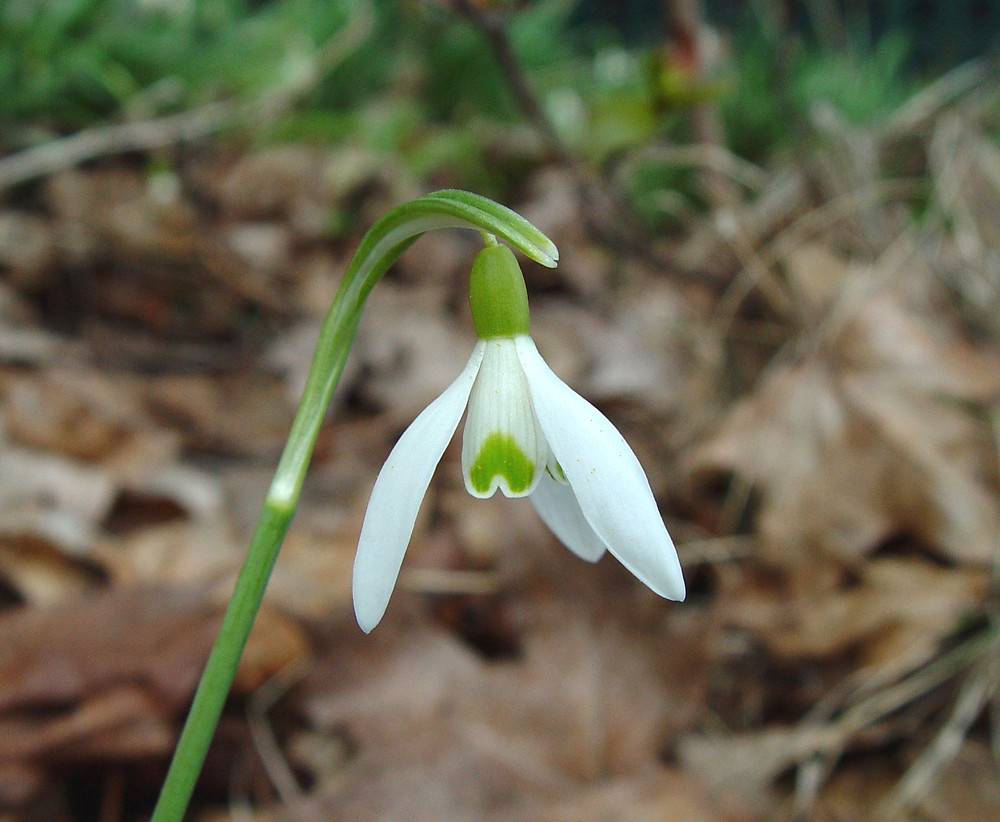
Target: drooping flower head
pixel 526 433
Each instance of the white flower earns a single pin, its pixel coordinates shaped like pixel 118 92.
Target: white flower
pixel 526 433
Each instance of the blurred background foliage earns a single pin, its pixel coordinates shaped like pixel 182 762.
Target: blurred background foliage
pixel 416 80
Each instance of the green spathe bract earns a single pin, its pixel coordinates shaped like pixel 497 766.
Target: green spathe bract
pixel 501 456
pixel 497 295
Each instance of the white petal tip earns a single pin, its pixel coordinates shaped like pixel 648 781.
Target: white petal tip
pixel 367 617
pixel 668 584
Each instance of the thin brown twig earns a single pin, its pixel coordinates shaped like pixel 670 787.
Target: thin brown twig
pixel 271 756
pixel 90 144
pixel 492 26
pixel 823 740
pixel 608 217
pixel 974 696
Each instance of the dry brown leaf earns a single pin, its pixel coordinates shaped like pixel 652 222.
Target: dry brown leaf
pixel 202 551
pixel 269 183
pixel 53 500
pixel 740 767
pixel 243 412
pixel 555 207
pixel 40 572
pixel 896 614
pixel 442 731
pixel 967 789
pixel 410 347
pixel 243 813
pixel 116 207
pixel 108 675
pixel 153 636
pixel 870 438
pixel 264 246
pixel 312 578
pixel 635 355
pixel 27 249
pixel 84 414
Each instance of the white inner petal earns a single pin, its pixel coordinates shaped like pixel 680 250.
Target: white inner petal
pixel 558 507
pixel 502 446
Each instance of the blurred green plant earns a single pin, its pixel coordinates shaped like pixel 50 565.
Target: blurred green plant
pixel 68 64
pixel 863 83
pixel 780 78
pixel 406 89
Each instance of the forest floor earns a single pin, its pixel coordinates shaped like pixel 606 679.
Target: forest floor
pixel 810 377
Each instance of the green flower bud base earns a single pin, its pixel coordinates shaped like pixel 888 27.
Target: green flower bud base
pixel 497 295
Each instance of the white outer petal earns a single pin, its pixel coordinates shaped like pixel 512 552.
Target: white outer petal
pixel 557 506
pixel 398 492
pixel 608 481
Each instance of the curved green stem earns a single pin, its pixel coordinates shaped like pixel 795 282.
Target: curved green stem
pixel 379 248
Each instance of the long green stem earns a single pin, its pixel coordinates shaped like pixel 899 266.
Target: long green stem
pixel 379 248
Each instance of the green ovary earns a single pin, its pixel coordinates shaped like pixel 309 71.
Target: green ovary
pixel 501 455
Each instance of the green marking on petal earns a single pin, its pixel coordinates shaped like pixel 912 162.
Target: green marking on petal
pixel 501 455
pixel 555 470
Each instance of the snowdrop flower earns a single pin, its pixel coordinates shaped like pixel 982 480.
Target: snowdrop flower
pixel 526 433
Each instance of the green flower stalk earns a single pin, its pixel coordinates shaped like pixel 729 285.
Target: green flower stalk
pixel 379 248
pixel 526 433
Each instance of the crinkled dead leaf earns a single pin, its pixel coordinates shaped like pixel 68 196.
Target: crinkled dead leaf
pixel 157 637
pixel 84 414
pixel 966 789
pixel 202 551
pixel 311 580
pixel 239 412
pixel 895 615
pixel 40 572
pixel 50 511
pixel 27 247
pixel 740 767
pixel 109 675
pixel 872 436
pixel 441 731
pixel 556 207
